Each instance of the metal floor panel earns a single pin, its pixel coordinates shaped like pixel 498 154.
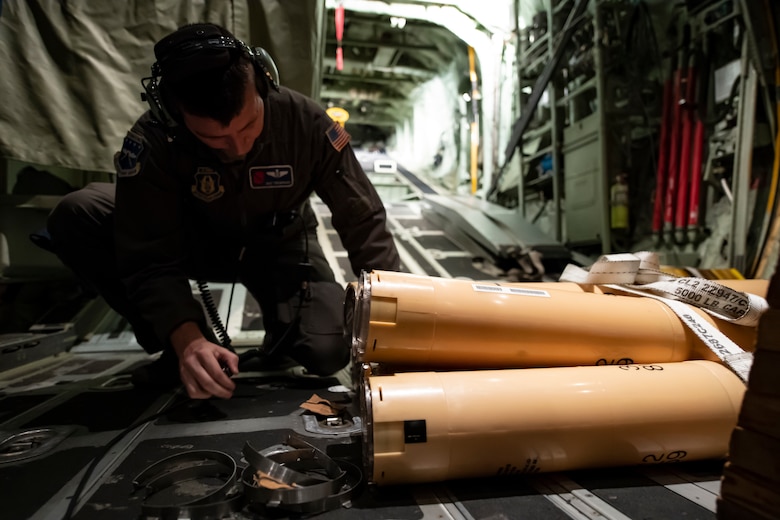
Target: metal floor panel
pixel 266 408
pixel 87 389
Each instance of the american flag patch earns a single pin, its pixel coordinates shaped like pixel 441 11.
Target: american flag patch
pixel 337 136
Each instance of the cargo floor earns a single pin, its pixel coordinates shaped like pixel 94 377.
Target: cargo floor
pixel 89 412
pixel 59 413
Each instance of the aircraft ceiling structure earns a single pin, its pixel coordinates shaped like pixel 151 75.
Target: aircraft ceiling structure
pixel 391 48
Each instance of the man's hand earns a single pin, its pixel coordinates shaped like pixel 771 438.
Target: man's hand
pixel 201 362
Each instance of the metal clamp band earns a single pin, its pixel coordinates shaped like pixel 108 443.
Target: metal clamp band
pixel 311 482
pixel 304 492
pixel 187 466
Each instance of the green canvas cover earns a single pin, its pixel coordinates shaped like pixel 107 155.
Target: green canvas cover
pixel 71 69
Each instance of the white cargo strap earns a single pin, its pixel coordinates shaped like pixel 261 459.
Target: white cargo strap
pixel 640 274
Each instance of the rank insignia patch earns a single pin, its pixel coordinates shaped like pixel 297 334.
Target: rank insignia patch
pixel 128 161
pixel 337 136
pixel 278 176
pixel 207 186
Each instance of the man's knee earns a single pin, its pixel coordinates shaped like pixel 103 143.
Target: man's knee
pixel 81 214
pixel 321 345
pixel 65 215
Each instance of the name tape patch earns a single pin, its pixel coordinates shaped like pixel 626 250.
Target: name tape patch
pixel 277 176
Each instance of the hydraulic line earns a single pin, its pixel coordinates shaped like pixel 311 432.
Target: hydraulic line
pixel 688 108
pixel 696 167
pixel 698 152
pixel 674 148
pixel 673 162
pixel 663 152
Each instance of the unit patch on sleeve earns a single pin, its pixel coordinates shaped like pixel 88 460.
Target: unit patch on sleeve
pixel 337 136
pixel 128 161
pixel 277 176
pixel 207 186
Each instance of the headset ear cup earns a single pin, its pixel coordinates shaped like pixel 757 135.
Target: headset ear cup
pixel 154 95
pixel 168 107
pixel 267 66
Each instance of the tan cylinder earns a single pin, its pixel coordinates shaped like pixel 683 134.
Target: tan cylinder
pixel 421 322
pixel 433 426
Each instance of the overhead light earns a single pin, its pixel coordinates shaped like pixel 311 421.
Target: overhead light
pixel 466 97
pixel 521 23
pixel 397 22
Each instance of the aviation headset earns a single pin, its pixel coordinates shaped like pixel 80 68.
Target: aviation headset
pixel 197 48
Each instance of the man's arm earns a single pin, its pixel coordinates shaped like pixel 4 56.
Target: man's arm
pixel 148 233
pixel 148 236
pixel 359 216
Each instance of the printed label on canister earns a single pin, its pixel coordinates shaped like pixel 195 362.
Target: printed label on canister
pixel 415 431
pixel 499 289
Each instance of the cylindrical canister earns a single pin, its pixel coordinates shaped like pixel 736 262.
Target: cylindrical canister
pixel 423 322
pixel 433 426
